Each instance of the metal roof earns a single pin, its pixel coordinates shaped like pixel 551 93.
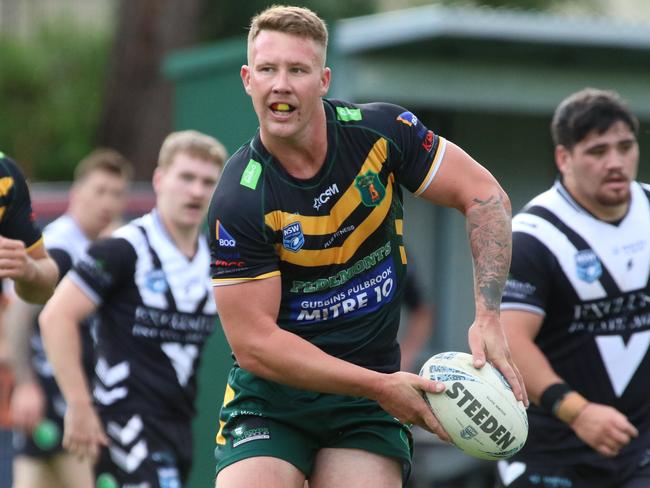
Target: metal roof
pixel 436 21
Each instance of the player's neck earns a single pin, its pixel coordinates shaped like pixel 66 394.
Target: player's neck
pixel 87 227
pixel 185 238
pixel 303 155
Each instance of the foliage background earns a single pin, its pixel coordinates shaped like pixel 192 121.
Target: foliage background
pixel 51 87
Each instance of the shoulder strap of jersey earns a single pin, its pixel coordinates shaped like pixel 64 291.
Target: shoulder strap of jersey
pixel 577 240
pixel 157 266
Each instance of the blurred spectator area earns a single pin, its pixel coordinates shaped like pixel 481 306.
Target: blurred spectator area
pixel 22 17
pixel 49 200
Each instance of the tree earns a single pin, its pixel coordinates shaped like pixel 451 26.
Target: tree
pixel 138 101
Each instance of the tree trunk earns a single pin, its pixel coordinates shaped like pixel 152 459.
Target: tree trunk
pixel 137 112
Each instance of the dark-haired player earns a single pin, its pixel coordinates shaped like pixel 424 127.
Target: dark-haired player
pixel 576 308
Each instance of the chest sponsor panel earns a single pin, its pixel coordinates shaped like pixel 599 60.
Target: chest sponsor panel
pixel 163 325
pixel 364 294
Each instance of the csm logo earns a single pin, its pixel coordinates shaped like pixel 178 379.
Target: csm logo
pixel 325 196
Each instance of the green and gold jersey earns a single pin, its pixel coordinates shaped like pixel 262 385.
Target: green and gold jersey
pixel 335 239
pixel 17 219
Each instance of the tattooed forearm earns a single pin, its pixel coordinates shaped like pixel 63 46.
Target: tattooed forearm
pixel 488 227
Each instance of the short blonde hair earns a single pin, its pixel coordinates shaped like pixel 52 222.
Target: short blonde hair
pixel 104 159
pixel 195 144
pixel 297 21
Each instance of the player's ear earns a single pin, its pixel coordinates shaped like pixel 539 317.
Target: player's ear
pixel 155 180
pixel 562 158
pixel 245 74
pixel 326 78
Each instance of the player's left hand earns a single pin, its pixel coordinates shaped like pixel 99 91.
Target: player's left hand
pixel 488 342
pixel 83 434
pixel 15 262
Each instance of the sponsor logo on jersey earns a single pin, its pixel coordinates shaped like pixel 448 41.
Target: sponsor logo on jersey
pixel 427 143
pixel 224 263
pixel 324 197
pixel 292 237
pixel 339 233
pixel 168 477
pixel 364 264
pixel 588 265
pixel 518 289
pixel 94 268
pixel 251 175
pixel 347 114
pixel 253 429
pixel 224 239
pixel 408 118
pixel 362 295
pixel 371 188
pixel 156 282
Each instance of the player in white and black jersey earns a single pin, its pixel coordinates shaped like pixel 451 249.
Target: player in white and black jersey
pixel 149 285
pixel 97 198
pixel 576 308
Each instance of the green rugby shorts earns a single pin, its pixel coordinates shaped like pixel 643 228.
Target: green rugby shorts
pixel 264 418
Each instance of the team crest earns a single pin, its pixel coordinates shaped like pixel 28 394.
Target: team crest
pixel 468 432
pixel 156 282
pixel 588 265
pixel 292 237
pixel 371 188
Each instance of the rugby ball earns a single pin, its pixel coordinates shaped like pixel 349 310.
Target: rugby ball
pixel 477 409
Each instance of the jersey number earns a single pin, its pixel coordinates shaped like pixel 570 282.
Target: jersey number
pixel 621 360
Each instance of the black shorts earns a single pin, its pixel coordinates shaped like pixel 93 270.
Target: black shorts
pixel 145 451
pixel 516 474
pixel 46 439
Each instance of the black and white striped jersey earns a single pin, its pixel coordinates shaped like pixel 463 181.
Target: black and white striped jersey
pixel 156 311
pixel 589 280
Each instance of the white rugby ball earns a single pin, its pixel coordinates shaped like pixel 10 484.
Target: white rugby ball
pixel 477 409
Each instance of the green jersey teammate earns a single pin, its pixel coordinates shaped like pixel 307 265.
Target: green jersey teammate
pixel 23 257
pixel 309 271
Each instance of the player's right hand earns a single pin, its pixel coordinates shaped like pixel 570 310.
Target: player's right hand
pixel 15 262
pixel 27 406
pixel 604 429
pixel 402 397
pixel 83 434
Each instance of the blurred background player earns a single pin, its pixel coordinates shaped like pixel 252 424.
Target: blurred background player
pixel 22 255
pixel 149 284
pixel 576 306
pixel 23 259
pixel 97 198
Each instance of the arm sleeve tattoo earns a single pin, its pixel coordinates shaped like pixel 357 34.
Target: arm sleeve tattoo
pixel 490 237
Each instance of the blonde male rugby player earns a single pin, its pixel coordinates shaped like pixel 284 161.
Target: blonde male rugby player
pixel 309 269
pixel 149 285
